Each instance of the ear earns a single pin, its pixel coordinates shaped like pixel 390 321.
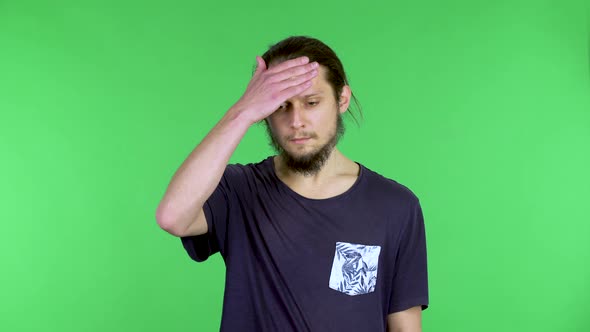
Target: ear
pixel 344 99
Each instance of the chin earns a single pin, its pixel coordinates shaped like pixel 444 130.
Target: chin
pixel 301 157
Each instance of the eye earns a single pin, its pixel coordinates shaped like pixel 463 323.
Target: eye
pixel 313 103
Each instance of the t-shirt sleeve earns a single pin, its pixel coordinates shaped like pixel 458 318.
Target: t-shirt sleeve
pixel 218 209
pixel 410 281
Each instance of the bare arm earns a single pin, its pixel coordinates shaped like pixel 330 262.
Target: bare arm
pixel 180 212
pixel 409 320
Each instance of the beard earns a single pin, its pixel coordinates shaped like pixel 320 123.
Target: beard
pixel 312 162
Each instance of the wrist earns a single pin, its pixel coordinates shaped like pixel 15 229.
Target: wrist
pixel 240 114
pixel 237 116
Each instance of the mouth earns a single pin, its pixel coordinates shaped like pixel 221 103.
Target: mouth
pixel 300 140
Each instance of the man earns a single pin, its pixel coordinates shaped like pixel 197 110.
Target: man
pixel 312 241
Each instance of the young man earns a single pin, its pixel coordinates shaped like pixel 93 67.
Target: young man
pixel 312 241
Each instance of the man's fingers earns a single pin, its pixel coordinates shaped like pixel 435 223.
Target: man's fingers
pixel 294 71
pixel 296 80
pixel 294 90
pixel 288 64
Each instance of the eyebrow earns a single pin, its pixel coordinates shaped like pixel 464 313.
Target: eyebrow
pixel 313 94
pixel 317 93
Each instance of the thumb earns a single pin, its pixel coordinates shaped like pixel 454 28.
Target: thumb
pixel 260 64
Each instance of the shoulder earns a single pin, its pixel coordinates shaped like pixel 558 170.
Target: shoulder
pixel 243 168
pixel 386 188
pixel 248 172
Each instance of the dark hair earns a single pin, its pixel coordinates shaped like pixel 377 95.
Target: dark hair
pixel 296 46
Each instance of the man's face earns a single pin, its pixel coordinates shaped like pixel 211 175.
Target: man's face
pixel 313 115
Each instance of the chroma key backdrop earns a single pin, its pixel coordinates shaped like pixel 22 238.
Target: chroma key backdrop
pixel 482 108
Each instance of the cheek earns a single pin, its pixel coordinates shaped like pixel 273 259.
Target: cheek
pixel 271 122
pixel 274 127
pixel 328 120
pixel 275 120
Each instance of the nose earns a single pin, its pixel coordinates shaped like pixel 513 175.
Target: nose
pixel 296 117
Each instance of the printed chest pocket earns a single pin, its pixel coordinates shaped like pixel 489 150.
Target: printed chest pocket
pixel 354 271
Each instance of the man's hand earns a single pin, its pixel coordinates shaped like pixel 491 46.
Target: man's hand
pixel 268 88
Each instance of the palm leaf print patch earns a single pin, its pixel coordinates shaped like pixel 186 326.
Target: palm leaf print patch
pixel 354 270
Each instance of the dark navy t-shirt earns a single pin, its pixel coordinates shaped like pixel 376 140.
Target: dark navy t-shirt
pixel 299 264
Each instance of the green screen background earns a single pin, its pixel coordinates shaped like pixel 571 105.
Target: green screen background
pixel 482 108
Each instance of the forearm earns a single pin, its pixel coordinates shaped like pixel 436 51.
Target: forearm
pixel 200 173
pixel 409 320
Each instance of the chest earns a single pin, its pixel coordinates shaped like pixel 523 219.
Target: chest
pixel 341 248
